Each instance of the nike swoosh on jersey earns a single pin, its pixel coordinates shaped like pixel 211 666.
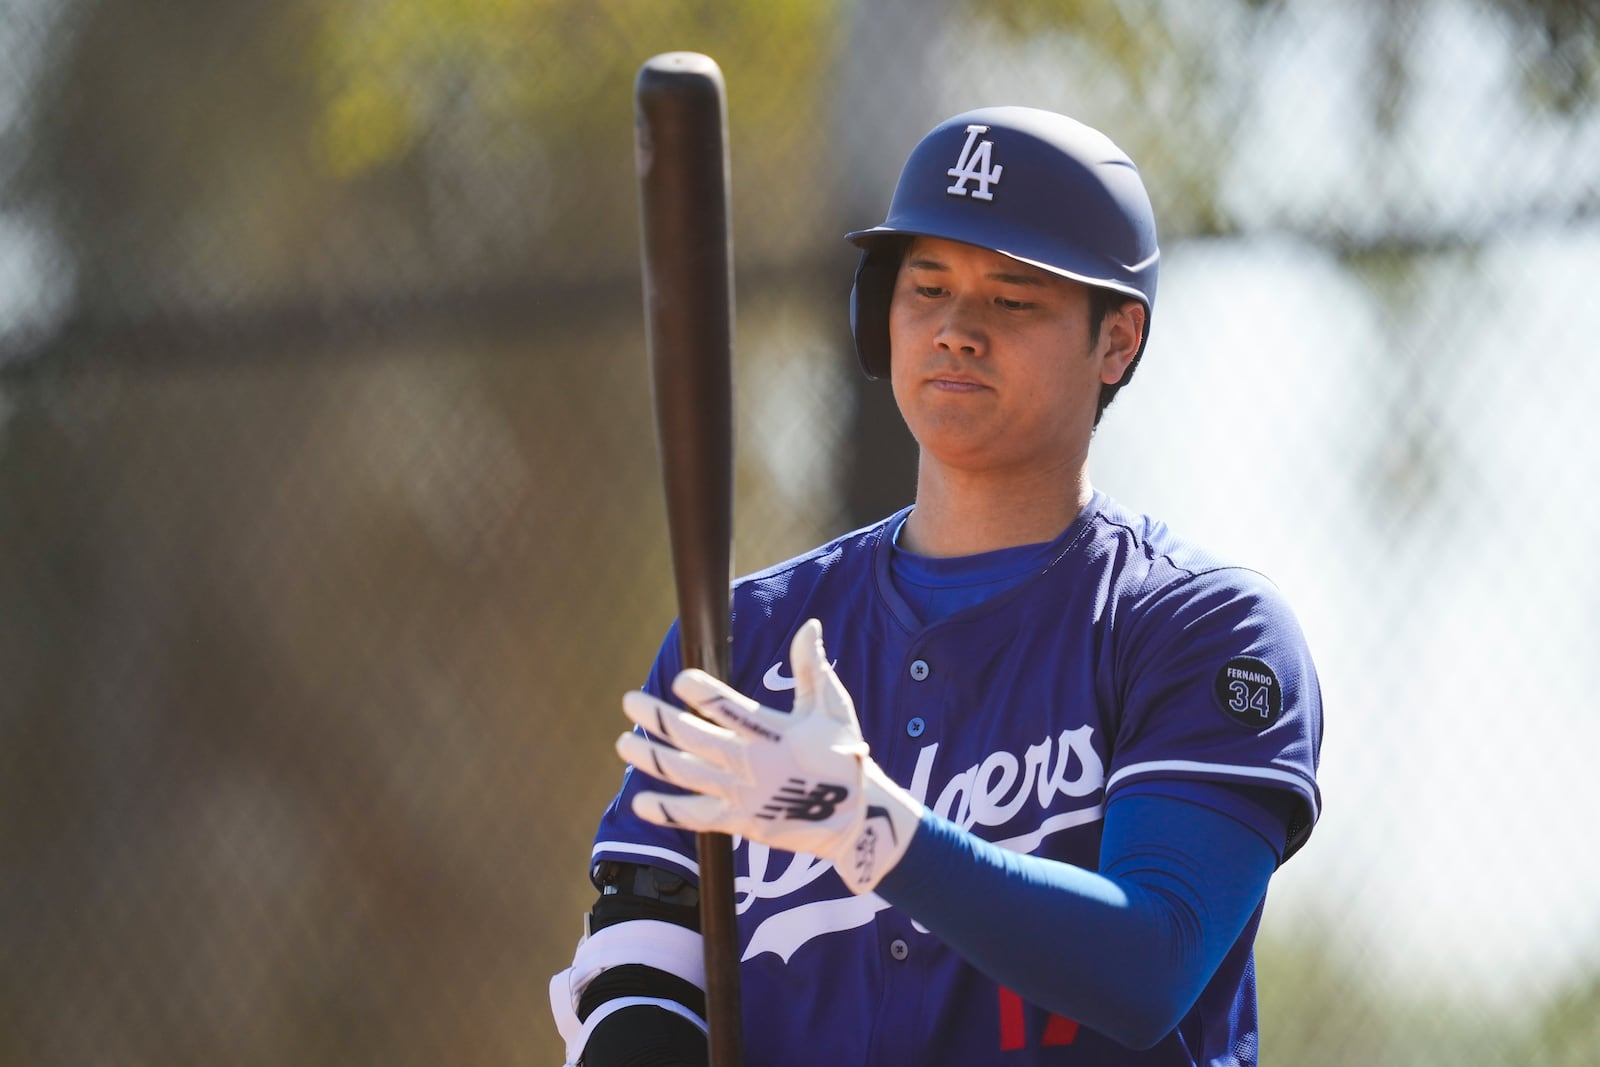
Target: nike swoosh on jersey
pixel 777 681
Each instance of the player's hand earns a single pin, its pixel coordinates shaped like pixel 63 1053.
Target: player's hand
pixel 801 782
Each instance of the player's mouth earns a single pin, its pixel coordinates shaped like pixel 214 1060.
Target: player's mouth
pixel 951 382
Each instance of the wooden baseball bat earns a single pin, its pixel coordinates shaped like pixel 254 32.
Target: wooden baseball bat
pixel 681 150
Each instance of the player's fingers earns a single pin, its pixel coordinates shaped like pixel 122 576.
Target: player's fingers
pixel 697 813
pixel 728 707
pixel 805 657
pixel 670 765
pixel 816 686
pixel 682 729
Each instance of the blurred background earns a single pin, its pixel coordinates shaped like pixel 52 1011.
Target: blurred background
pixel 330 531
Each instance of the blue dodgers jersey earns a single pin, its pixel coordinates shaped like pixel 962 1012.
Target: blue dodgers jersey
pixel 1132 660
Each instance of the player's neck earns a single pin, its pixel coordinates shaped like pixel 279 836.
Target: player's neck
pixel 963 514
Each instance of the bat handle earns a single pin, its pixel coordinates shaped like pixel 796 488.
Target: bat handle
pixel 719 927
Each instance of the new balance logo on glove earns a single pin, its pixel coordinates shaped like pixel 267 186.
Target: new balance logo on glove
pixel 799 799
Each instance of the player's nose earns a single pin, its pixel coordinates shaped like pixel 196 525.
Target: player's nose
pixel 960 330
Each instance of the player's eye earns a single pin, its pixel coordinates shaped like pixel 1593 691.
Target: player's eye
pixel 1013 305
pixel 931 290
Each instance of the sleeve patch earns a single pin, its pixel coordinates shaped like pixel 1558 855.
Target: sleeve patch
pixel 1248 692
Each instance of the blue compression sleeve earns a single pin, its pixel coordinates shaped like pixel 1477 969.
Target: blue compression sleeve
pixel 1125 951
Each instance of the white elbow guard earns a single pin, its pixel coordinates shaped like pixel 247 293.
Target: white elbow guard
pixel 667 947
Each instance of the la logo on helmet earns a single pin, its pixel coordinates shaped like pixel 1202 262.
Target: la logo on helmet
pixel 975 166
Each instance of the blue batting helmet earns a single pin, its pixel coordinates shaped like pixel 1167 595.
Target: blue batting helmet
pixel 1039 187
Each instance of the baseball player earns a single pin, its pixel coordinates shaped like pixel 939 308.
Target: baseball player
pixel 1010 770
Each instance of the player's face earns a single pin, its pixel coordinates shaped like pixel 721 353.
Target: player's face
pixel 991 362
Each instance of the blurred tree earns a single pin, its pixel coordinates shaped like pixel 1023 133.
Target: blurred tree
pixel 1323 1005
pixel 1174 66
pixel 1567 1032
pixel 1145 68
pixel 162 154
pixel 195 155
pixel 1562 49
pixel 479 90
pixel 206 156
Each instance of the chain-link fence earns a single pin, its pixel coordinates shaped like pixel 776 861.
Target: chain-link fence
pixel 330 534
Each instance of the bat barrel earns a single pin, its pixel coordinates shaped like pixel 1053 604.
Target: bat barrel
pixel 687 246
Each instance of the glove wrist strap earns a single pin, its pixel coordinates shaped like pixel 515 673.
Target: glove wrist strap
pixel 889 821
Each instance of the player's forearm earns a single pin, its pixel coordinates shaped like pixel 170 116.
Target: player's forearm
pixel 1126 952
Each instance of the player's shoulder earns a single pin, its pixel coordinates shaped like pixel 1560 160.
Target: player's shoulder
pixel 848 557
pixel 1153 560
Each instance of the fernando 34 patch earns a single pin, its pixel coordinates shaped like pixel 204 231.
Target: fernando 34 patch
pixel 1248 691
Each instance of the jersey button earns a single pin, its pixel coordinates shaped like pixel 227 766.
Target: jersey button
pixel 915 727
pixel 919 670
pixel 899 949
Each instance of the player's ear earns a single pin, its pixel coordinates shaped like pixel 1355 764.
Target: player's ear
pixel 1121 333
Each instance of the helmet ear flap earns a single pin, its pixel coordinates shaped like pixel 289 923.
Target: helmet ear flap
pixel 876 274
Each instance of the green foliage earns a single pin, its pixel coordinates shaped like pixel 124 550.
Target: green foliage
pixel 1133 37
pixel 1562 69
pixel 1327 1002
pixel 217 153
pixel 392 71
pixel 1140 69
pixel 1147 68
pixel 1567 1032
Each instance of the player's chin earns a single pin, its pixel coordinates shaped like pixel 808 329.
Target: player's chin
pixel 958 440
pixel 955 411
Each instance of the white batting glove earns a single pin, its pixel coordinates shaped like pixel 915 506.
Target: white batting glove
pixel 801 782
